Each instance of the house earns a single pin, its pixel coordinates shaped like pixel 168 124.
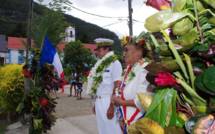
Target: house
pixel 3 49
pixel 16 50
pixel 91 47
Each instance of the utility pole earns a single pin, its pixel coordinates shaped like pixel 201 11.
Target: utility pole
pixel 30 13
pixel 28 45
pixel 130 23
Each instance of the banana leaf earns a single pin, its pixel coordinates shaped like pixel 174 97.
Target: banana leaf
pixel 176 55
pixel 182 27
pixel 163 20
pixel 190 69
pixel 163 108
pixel 198 103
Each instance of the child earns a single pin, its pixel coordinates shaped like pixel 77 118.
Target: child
pixel 73 84
pixel 79 89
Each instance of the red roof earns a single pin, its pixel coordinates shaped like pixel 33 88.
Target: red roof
pixel 91 47
pixel 17 43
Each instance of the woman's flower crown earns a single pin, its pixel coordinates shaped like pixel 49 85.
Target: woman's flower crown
pixel 132 40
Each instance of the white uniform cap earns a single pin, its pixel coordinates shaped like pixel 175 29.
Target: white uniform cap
pixel 101 40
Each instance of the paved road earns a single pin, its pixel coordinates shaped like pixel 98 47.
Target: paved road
pixel 75 125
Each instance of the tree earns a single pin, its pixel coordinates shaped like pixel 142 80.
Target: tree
pixel 78 58
pixel 50 23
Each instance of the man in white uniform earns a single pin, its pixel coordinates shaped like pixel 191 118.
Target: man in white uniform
pixel 111 74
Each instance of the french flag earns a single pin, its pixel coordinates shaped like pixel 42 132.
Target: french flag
pixel 50 55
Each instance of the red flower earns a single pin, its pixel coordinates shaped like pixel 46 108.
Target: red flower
pixel 165 79
pixel 26 73
pixel 43 102
pixel 159 4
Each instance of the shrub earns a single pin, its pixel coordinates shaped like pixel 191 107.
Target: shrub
pixel 11 87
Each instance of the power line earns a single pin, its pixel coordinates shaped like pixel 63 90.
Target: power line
pixel 138 21
pixel 114 23
pixel 97 15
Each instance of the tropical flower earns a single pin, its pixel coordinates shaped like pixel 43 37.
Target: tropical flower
pixel 43 101
pixel 165 79
pixel 159 4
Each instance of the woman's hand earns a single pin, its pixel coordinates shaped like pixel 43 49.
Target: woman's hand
pixel 117 101
pixel 110 111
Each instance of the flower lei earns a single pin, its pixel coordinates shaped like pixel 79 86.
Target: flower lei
pixel 96 72
pixel 135 69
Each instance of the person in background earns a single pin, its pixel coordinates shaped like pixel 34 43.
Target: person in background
pixel 73 84
pixel 79 88
pixel 55 82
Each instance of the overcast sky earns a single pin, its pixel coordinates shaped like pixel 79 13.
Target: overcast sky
pixel 113 8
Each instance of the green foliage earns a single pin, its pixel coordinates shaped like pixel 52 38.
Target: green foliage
pixel 77 57
pixel 163 108
pixel 11 87
pixel 42 115
pixel 13 17
pixel 206 81
pixel 50 23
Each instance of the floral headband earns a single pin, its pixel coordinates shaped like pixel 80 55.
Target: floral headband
pixel 132 40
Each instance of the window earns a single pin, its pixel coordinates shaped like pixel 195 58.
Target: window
pixel 71 34
pixel 1 60
pixel 21 57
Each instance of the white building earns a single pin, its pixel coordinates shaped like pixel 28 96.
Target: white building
pixel 70 34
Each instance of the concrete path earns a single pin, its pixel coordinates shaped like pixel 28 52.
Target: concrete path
pixel 75 125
